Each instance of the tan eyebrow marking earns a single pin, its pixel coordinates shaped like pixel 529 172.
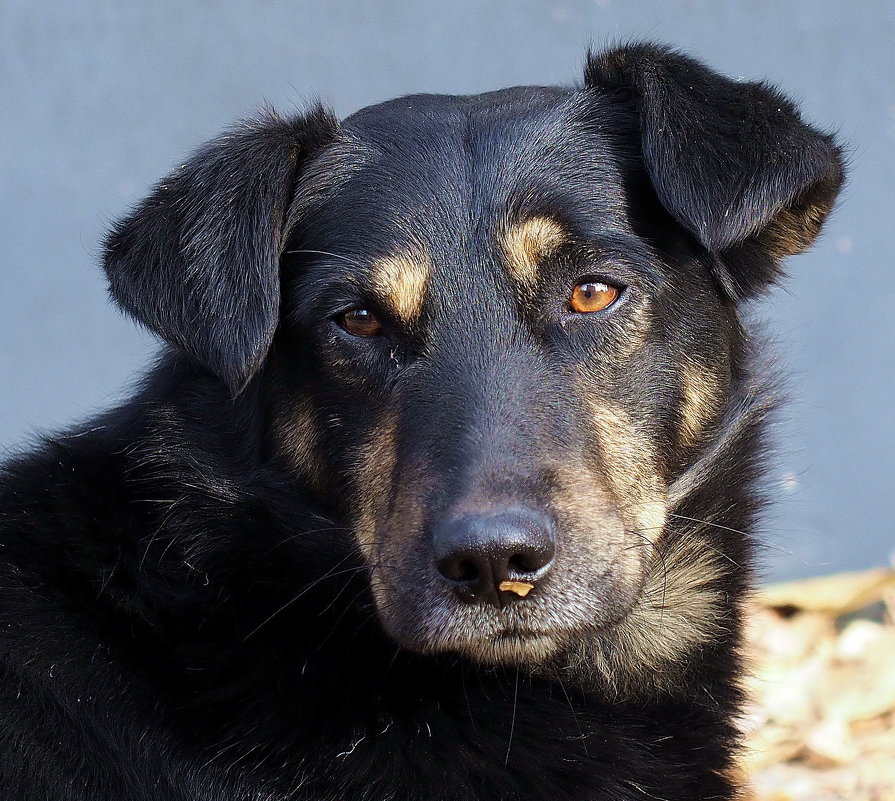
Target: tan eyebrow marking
pixel 401 279
pixel 527 243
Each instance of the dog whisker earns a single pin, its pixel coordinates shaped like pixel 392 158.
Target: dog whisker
pixel 327 253
pixel 506 759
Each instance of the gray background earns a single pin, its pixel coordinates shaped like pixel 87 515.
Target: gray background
pixel 98 99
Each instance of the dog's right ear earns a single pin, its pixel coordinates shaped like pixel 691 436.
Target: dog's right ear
pixel 197 262
pixel 733 162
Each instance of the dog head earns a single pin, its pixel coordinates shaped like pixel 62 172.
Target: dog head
pixel 498 330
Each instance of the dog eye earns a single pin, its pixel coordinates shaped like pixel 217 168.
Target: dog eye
pixel 593 296
pixel 360 323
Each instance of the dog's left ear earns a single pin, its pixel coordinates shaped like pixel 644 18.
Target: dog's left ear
pixel 198 260
pixel 731 161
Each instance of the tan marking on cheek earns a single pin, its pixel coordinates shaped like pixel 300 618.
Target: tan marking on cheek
pixel 678 610
pixel 680 603
pixel 401 280
pixel 582 503
pixel 605 575
pixel 701 402
pixel 526 244
pixel 651 519
pixel 374 479
pixel 296 438
pixel 629 463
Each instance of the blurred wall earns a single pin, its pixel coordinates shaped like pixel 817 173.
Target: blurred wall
pixel 98 99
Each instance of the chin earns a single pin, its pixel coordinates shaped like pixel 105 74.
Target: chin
pixel 511 648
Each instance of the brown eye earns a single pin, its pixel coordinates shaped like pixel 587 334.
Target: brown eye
pixel 593 296
pixel 361 323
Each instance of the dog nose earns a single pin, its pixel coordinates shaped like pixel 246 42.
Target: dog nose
pixel 479 553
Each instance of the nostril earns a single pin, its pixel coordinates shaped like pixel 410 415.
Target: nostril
pixel 532 559
pixel 467 572
pixel 522 564
pixel 459 570
pixel 517 564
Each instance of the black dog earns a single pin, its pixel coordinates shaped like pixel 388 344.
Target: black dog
pixel 442 489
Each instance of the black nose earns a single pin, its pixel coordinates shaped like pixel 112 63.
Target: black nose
pixel 477 553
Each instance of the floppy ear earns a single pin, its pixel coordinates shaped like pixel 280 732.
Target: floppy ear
pixel 731 161
pixel 198 260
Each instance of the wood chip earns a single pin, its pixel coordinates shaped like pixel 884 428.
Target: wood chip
pixel 521 588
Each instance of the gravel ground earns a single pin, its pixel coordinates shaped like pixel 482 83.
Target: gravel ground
pixel 822 722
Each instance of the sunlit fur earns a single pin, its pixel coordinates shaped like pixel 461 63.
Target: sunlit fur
pixel 527 243
pixel 226 587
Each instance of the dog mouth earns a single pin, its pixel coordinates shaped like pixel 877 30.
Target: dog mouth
pixel 511 647
pixel 497 638
pixel 525 630
pixel 515 616
pixel 534 641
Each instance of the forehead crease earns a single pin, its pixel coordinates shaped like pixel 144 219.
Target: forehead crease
pixel 401 279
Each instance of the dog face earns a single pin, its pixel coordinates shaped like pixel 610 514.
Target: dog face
pixel 510 371
pixel 503 326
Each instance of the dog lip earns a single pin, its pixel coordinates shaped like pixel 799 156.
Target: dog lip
pixel 521 634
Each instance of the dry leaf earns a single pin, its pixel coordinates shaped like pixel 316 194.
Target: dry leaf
pixel 838 594
pixel 821 725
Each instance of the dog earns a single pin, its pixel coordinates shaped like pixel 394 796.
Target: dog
pixel 443 485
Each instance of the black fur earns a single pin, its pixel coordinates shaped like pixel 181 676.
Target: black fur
pixel 185 612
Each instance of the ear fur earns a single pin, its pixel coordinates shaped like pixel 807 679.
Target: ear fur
pixel 197 262
pixel 731 161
